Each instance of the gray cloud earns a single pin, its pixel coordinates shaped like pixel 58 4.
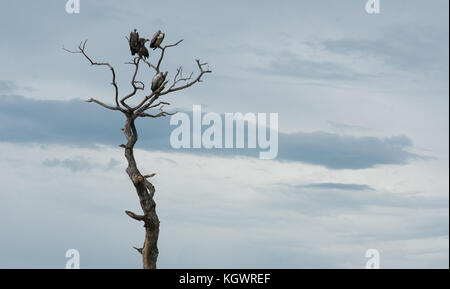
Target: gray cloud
pixel 338 186
pixel 7 86
pixel 288 64
pixel 344 151
pixel 332 198
pixel 345 126
pixel 80 164
pixel 411 49
pixel 73 164
pixel 418 50
pixel 406 49
pixel 80 123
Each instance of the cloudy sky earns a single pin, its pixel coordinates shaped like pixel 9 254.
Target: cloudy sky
pixel 363 135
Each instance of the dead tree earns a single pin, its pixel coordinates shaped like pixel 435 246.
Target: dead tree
pixel 149 102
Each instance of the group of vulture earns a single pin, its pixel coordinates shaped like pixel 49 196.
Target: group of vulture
pixel 137 46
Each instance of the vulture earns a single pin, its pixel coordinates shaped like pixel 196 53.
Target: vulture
pixel 134 42
pixel 157 39
pixel 158 80
pixel 142 50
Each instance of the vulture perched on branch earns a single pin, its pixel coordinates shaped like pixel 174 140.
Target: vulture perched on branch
pixel 157 39
pixel 142 50
pixel 134 42
pixel 137 45
pixel 158 80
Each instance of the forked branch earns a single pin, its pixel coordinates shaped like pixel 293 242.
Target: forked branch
pixel 202 71
pixel 163 49
pixel 136 61
pixel 82 50
pixel 137 85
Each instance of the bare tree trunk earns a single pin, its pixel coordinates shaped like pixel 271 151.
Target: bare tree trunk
pixel 145 191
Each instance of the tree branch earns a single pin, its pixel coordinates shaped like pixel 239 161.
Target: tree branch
pixel 172 88
pixel 133 83
pixel 161 113
pixel 141 83
pixel 143 106
pixel 103 104
pixel 82 50
pixel 163 49
pixel 134 216
pixel 145 99
pixel 179 77
pixel 151 65
pixel 139 250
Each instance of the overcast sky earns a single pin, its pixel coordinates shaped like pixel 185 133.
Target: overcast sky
pixel 363 135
